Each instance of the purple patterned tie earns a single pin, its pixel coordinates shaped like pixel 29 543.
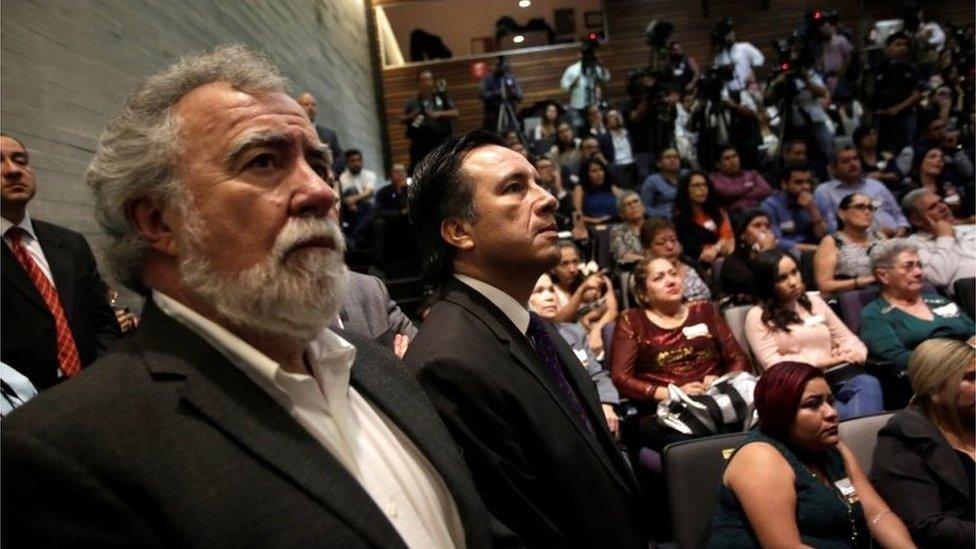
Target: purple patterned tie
pixel 546 351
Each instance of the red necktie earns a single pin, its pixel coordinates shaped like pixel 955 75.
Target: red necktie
pixel 67 351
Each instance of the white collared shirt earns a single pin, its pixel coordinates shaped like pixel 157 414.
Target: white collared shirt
pixel 30 242
pixel 396 475
pixel 515 311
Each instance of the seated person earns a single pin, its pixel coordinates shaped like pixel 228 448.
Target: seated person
pixel 753 235
pixel 947 250
pixel 659 190
pixel 930 172
pixel 902 316
pixel 543 303
pixel 566 152
pixel 841 262
pixel 668 341
pixel 357 187
pixel 392 232
pixel 848 178
pixel 703 227
pixel 789 325
pixel 792 152
pixel 658 239
pixel 738 189
pixel 552 181
pixel 923 462
pixel 782 486
pixel 879 165
pixel 625 244
pixel 588 300
pixel 794 215
pixel 595 198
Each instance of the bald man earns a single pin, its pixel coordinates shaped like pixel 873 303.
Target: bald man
pixel 326 135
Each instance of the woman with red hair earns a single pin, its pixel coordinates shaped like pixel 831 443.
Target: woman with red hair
pixel 793 482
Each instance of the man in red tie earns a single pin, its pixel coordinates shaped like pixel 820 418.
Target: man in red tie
pixel 55 314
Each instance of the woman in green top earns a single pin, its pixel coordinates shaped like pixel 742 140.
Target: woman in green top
pixel 902 316
pixel 792 483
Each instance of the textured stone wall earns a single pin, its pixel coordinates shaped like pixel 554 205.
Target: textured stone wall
pixel 66 67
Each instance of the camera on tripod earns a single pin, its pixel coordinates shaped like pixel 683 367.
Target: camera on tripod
pixel 712 82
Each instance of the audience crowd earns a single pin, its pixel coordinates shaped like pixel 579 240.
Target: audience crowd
pixel 728 248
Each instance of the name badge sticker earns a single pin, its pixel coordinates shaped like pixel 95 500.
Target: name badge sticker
pixel 813 320
pixel 581 355
pixel 846 489
pixel 787 226
pixel 877 204
pixel 710 225
pixel 697 330
pixel 949 310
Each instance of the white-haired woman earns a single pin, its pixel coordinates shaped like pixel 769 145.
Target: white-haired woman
pixel 625 244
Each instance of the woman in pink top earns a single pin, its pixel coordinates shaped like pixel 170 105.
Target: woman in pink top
pixel 790 326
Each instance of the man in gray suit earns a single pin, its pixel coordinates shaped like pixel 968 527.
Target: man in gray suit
pixel 368 311
pixel 232 417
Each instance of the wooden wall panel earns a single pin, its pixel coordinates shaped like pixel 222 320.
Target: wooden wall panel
pixel 539 72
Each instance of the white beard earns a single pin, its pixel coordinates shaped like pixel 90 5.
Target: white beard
pixel 290 294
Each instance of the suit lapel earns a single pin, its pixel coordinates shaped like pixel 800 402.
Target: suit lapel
pixel 59 259
pixel 462 295
pixel 240 409
pixel 18 279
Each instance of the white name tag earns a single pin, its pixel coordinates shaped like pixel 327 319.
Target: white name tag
pixel 710 225
pixel 581 355
pixel 813 320
pixel 846 489
pixel 787 226
pixel 698 330
pixel 948 310
pixel 877 204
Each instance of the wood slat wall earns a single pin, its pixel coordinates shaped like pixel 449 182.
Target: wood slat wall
pixel 539 72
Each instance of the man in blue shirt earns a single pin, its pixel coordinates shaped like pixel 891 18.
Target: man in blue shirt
pixel 659 189
pixel 848 179
pixel 797 220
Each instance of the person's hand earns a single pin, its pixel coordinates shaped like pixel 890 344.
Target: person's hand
pixel 613 422
pixel 890 111
pixel 708 254
pixel 400 344
pixel 709 380
pixel 805 200
pixel 764 240
pixel 127 321
pixel 368 193
pixel 939 225
pixel 972 341
pixel 694 388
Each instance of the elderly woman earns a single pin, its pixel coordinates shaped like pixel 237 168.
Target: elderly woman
pixel 543 303
pixel 792 482
pixel 924 460
pixel 902 316
pixel 625 244
pixel 790 326
pixel 668 341
pixel 659 239
pixel 841 262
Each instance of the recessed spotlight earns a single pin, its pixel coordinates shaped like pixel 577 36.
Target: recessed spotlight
pixel 525 3
pixel 518 38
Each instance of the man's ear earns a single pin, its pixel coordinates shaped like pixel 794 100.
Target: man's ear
pixel 457 233
pixel 153 224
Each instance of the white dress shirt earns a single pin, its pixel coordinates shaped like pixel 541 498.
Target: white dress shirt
pixel 359 182
pixel 515 311
pixel 30 242
pixel 396 475
pixel 948 258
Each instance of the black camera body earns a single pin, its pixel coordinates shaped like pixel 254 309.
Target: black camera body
pixel 712 82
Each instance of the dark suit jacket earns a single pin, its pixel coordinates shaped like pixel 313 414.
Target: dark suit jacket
pixel 166 443
pixel 330 138
pixel 28 341
pixel 918 473
pixel 539 469
pixel 368 311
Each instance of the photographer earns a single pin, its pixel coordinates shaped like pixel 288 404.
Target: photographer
pixel 725 115
pixel 500 91
pixel 584 80
pixel 650 119
pixel 428 117
pixel 743 56
pixel 799 93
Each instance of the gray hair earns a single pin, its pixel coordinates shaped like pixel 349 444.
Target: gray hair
pixel 137 151
pixel 624 196
pixel 883 253
pixel 909 203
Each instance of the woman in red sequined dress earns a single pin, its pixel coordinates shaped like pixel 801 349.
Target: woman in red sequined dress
pixel 668 341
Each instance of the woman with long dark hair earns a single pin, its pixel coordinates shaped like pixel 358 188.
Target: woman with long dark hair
pixel 703 226
pixel 595 198
pixel 753 234
pixel 790 325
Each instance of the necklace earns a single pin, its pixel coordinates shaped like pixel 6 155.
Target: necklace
pixel 821 476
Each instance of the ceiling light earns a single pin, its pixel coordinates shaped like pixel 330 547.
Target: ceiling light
pixel 525 3
pixel 518 38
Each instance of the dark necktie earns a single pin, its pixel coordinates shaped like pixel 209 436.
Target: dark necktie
pixel 67 351
pixel 546 351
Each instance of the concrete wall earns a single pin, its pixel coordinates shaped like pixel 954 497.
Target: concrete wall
pixel 68 65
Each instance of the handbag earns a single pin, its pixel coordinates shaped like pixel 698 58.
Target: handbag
pixel 727 406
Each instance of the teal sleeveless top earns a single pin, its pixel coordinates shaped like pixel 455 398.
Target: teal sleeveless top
pixel 823 516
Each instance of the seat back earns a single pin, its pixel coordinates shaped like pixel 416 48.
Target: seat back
pixel 964 291
pixel 851 304
pixel 607 333
pixel 735 317
pixel 693 471
pixel 861 434
pixel 601 248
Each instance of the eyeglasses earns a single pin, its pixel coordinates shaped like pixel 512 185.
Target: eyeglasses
pixel 862 207
pixel 908 266
pixel 632 202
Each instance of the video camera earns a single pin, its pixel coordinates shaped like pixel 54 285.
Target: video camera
pixel 720 30
pixel 657 33
pixel 712 82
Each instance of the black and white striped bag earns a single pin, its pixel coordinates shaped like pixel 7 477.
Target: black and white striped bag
pixel 726 406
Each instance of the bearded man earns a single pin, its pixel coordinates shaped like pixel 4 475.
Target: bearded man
pixel 233 417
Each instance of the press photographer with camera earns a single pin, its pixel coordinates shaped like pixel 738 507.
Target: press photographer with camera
pixel 743 56
pixel 724 115
pixel 428 116
pixel 651 113
pixel 500 92
pixel 584 80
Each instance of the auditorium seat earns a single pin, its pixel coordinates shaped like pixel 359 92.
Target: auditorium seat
pixel 735 317
pixel 693 470
pixel 861 434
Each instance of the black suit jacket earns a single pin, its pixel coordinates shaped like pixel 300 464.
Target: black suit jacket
pixel 330 138
pixel 539 469
pixel 166 443
pixel 28 342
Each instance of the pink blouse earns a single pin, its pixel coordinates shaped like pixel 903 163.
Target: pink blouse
pixel 810 342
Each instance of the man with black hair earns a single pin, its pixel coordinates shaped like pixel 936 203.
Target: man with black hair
pixel 500 91
pixel 896 90
pixel 795 217
pixel 429 118
pixel 357 187
pixel 511 391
